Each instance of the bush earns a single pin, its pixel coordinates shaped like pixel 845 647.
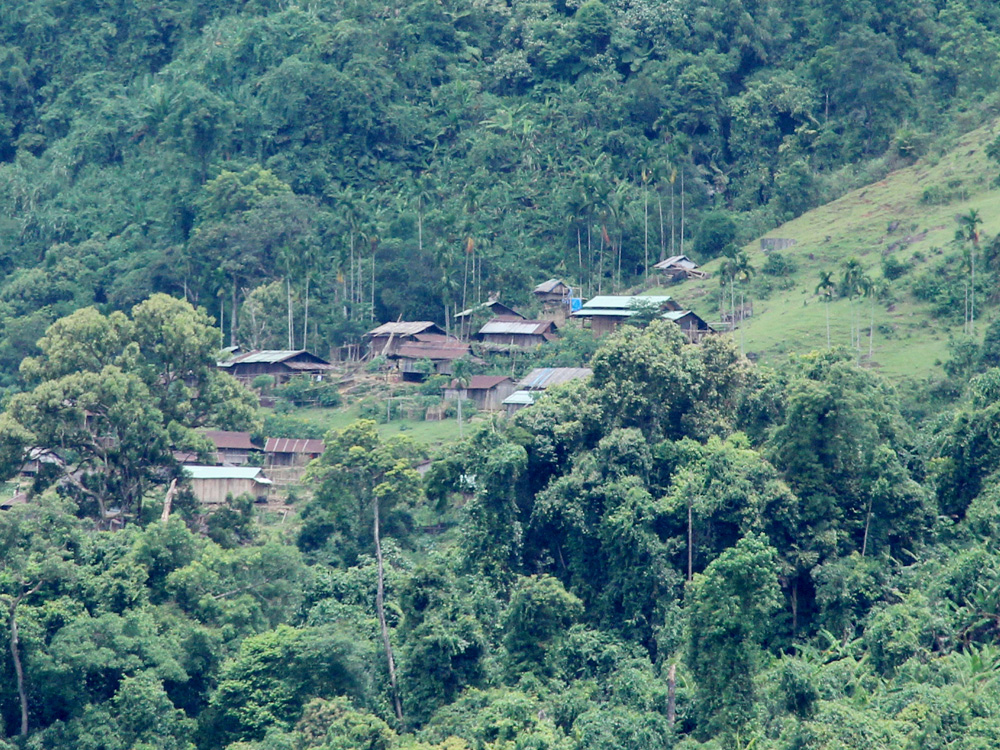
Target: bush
pixel 263 383
pixel 893 268
pixel 778 265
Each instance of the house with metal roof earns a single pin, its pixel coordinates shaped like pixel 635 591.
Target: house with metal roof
pixel 545 377
pixel 281 364
pixel 486 391
pixel 693 326
pixel 388 337
pixel 679 267
pixel 232 448
pixel 292 451
pixel 492 308
pixel 211 485
pixel 606 313
pixel 501 334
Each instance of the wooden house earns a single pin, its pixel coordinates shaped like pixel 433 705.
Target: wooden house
pixel 441 351
pixel 517 401
pixel 279 364
pixel 693 326
pixel 556 297
pixel 292 451
pixel 504 333
pixel 389 337
pixel 605 314
pixel 493 308
pixel 680 267
pixel 232 448
pixel 211 485
pixel 553 291
pixel 486 391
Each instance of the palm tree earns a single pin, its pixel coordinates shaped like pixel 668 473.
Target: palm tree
pixel 825 288
pixel 968 231
pixel 873 290
pixel 460 373
pixel 851 284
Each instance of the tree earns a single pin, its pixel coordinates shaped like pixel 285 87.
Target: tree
pixel 112 397
pixel 461 376
pixel 35 544
pixel 826 287
pixel 730 607
pixel 968 231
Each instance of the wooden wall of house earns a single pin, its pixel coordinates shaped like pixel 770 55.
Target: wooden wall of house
pixel 215 491
pixel 524 340
pixel 601 325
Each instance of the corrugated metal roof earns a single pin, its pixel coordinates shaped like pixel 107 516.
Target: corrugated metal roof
pixel 404 328
pixel 545 377
pixel 485 382
pixel 549 286
pixel 680 261
pixel 310 366
pixel 226 472
pixel 595 312
pixel 495 306
pixel 231 440
pixel 519 398
pixel 516 327
pixel 270 356
pixel 294 445
pixel 625 303
pixel 430 350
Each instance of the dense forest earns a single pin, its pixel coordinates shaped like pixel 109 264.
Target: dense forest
pixel 358 161
pixel 684 551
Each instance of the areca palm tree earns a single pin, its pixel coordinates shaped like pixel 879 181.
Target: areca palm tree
pixel 851 285
pixel 968 231
pixel 825 288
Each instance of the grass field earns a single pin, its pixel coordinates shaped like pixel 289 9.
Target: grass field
pixel 429 434
pixel 865 224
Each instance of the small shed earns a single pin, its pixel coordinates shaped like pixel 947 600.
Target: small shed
pixel 607 313
pixel 553 291
pixel 292 451
pixel 232 448
pixel 388 337
pixel 213 484
pixel 486 391
pixel 281 364
pixel 504 333
pixel 679 267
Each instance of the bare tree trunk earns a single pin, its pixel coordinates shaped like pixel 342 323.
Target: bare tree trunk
pixel 868 523
pixel 168 501
pixel 232 316
pixel 373 282
pixel 645 230
pixel 673 224
pixel 690 543
pixel 827 321
pixel 672 695
pixel 305 318
pixel 15 652
pixel 871 331
pixel 380 608
pixel 663 239
pixel 682 212
pixel 579 250
pixel 291 319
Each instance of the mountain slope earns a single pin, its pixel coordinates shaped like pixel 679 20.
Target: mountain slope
pixel 910 216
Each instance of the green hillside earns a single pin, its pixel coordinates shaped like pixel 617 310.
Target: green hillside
pixel 890 218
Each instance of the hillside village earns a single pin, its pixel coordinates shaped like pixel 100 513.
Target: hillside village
pixel 484 364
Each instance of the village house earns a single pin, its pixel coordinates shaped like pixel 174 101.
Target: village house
pixel 232 448
pixel 501 334
pixel 282 452
pixel 211 485
pixel 388 337
pixel 492 308
pixel 693 326
pixel 541 379
pixel 440 351
pixel 606 313
pixel 680 267
pixel 556 297
pixel 486 391
pixel 281 364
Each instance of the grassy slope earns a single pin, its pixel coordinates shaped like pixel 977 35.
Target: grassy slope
pixel 793 320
